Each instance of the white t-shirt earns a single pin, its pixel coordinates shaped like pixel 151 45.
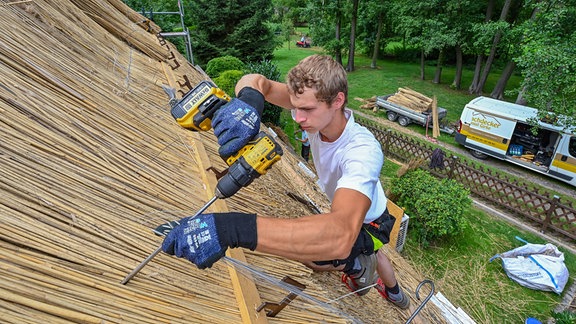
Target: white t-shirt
pixel 353 161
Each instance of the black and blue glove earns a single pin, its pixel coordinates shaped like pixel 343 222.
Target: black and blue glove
pixel 205 238
pixel 237 122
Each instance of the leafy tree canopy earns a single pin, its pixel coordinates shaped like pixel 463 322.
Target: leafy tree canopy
pixel 235 28
pixel 549 60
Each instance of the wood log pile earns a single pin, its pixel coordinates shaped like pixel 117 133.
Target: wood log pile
pixel 369 103
pixel 411 99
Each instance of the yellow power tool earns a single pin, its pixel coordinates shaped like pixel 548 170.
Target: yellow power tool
pixel 195 111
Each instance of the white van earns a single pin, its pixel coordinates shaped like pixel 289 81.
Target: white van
pixel 490 127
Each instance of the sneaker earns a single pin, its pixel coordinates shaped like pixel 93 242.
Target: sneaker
pixel 401 300
pixel 363 277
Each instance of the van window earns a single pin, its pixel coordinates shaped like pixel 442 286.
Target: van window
pixel 572 146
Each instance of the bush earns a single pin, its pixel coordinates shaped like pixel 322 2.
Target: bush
pixel 401 53
pixel 224 63
pixel 436 207
pixel 227 81
pixel 269 70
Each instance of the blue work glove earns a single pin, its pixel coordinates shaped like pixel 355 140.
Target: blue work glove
pixel 205 238
pixel 238 121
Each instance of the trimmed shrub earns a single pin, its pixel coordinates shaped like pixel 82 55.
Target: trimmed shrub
pixel 227 81
pixel 224 63
pixel 436 207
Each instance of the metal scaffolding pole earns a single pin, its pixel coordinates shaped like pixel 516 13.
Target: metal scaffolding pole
pixel 185 33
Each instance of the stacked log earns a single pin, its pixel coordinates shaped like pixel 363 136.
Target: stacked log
pixel 435 120
pixel 411 99
pixel 369 103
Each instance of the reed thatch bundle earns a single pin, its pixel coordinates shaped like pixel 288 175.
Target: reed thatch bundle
pixel 411 99
pixel 91 160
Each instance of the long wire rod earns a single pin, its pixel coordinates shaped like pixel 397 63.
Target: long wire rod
pixel 159 249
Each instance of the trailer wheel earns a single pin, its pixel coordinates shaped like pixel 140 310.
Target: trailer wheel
pixel 403 121
pixel 478 155
pixel 392 116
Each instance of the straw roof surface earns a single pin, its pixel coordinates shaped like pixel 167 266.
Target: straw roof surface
pixel 91 160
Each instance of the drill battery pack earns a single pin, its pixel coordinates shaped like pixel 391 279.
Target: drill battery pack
pixel 195 110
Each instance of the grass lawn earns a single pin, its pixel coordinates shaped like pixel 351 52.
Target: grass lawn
pixel 460 266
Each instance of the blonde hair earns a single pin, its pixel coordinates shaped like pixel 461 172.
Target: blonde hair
pixel 322 73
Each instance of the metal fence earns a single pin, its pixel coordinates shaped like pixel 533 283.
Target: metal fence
pixel 525 200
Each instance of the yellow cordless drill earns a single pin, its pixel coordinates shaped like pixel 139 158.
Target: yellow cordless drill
pixel 195 111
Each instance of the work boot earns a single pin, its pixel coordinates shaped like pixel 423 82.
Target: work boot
pixel 362 275
pixel 401 299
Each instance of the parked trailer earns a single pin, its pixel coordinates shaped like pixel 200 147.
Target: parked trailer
pixel 490 127
pixel 404 115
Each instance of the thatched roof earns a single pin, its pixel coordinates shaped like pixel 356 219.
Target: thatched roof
pixel 91 160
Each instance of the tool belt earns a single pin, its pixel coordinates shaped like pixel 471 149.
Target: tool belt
pixel 378 229
pixel 381 227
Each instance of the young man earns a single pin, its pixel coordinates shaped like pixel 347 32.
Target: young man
pixel 348 160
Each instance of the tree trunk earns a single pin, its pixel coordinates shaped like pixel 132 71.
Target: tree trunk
pixel 376 50
pixel 521 100
pixel 439 64
pixel 498 92
pixel 480 57
pixel 338 54
pixel 476 77
pixel 457 83
pixel 350 66
pixel 492 55
pixel 422 63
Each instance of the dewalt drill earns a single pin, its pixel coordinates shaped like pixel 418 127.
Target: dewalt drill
pixel 195 111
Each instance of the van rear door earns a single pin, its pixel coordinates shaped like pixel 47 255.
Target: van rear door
pixel 564 163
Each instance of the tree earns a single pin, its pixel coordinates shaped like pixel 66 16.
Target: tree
pixel 326 21
pixel 350 65
pixel 370 33
pixel 479 44
pixel 512 38
pixel 291 10
pixel 415 21
pixel 376 49
pixel 548 60
pixel 462 14
pixel 500 27
pixel 235 28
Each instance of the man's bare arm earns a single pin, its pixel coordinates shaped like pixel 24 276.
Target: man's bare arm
pixel 274 92
pixel 317 237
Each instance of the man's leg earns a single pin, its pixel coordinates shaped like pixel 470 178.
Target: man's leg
pixel 306 152
pixel 385 270
pixel 387 285
pixel 363 274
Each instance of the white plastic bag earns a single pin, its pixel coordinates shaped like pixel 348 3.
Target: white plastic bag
pixel 536 266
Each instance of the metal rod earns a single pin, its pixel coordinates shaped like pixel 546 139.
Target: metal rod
pixel 158 250
pixel 430 294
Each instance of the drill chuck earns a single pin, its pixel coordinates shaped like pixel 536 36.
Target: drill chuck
pixel 240 174
pixel 248 164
